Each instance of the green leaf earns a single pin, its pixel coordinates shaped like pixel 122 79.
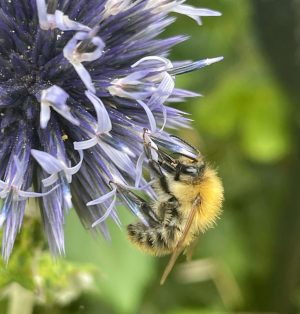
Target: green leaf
pixel 249 108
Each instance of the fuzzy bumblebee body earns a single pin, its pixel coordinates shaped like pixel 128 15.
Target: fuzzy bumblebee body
pixel 186 185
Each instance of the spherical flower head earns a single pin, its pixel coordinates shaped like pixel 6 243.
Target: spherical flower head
pixel 80 81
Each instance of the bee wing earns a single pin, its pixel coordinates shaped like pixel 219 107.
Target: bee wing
pixel 190 149
pixel 179 247
pixel 189 251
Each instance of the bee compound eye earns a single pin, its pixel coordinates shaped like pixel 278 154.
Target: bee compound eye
pixel 172 199
pixel 201 168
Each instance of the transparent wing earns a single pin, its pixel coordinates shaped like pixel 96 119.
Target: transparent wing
pixel 189 251
pixel 180 247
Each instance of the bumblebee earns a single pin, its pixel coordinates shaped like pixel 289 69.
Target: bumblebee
pixel 190 196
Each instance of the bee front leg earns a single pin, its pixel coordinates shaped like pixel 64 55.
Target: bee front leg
pixel 159 159
pixel 145 208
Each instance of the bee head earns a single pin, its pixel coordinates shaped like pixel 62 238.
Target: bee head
pixel 189 169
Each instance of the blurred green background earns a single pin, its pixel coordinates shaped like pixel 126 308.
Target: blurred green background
pixel 248 127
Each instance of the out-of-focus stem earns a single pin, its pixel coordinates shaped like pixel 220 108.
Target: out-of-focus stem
pixel 20 300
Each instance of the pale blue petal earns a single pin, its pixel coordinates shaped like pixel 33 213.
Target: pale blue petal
pixel 50 180
pixel 150 116
pixel 103 198
pixel 49 163
pixel 28 194
pixel 139 169
pixel 107 213
pixel 76 168
pixel 82 145
pixel 65 24
pixel 42 14
pixel 104 122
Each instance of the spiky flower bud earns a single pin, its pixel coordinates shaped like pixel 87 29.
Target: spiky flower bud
pixel 79 82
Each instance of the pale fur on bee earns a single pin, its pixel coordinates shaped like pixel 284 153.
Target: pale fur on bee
pixel 181 184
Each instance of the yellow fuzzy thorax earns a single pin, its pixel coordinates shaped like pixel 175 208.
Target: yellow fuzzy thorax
pixel 210 190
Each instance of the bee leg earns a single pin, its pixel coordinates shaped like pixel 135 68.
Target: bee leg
pixel 175 167
pixel 162 160
pixel 167 162
pixel 170 164
pixel 161 177
pixel 172 218
pixel 170 205
pixel 163 237
pixel 144 207
pixel 156 167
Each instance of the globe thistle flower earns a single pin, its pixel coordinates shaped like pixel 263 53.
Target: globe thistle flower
pixel 80 81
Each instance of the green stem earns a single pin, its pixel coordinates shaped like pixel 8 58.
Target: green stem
pixel 20 300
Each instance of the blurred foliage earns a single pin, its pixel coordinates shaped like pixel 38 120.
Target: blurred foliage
pixel 33 277
pixel 125 272
pixel 246 128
